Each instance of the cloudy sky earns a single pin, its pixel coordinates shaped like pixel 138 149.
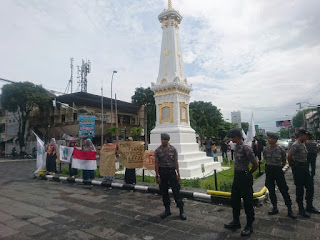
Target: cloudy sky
pixel 253 56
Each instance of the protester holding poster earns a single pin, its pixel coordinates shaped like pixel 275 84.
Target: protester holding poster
pixel 107 160
pixel 52 150
pixel 88 146
pixel 130 173
pixel 72 171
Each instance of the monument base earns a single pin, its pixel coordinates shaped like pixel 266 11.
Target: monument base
pixel 192 162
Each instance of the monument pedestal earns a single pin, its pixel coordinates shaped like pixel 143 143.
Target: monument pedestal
pixel 191 160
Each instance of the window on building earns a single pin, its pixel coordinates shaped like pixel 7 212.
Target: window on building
pixel 75 116
pixel 133 121
pixel 52 119
pixel 126 119
pixel 63 118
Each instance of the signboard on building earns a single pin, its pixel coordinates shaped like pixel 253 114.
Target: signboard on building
pixel 285 123
pixel 86 125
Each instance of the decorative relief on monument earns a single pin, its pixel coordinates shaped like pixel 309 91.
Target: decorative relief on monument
pixel 183 112
pixel 166 112
pixel 164 81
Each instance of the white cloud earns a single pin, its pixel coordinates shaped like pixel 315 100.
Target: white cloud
pixel 260 56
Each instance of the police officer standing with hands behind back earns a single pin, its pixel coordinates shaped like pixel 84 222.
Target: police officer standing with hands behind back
pixel 242 182
pixel 275 157
pixel 167 174
pixel 301 175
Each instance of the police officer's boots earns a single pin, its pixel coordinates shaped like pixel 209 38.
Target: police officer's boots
pixel 303 212
pixel 166 212
pixel 290 213
pixel 274 210
pixel 182 215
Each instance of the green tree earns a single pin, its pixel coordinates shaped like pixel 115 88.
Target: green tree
pixel 245 126
pixel 205 118
pixel 112 132
pixel 144 96
pixel 297 120
pixel 224 128
pixel 21 99
pixel 284 133
pixel 136 133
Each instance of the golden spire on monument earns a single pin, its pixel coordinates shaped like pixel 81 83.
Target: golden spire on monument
pixel 169 4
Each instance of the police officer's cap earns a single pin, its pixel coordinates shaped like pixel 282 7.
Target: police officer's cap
pixel 273 135
pixel 303 132
pixel 235 132
pixel 165 136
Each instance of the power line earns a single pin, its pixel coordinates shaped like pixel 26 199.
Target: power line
pixel 49 90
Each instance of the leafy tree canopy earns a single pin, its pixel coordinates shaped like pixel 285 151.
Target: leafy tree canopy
pixel 245 126
pixel 206 119
pixel 144 96
pixel 21 98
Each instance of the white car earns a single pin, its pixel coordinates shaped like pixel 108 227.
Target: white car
pixel 284 143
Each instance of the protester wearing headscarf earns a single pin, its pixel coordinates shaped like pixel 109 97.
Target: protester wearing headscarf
pixel 52 150
pixel 88 146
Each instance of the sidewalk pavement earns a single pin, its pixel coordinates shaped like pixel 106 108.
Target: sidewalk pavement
pixel 35 209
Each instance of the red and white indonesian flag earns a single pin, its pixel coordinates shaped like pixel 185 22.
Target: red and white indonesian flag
pixel 85 160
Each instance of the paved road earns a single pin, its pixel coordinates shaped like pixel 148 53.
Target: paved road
pixel 34 209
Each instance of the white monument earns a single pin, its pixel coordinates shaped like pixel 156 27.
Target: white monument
pixel 172 96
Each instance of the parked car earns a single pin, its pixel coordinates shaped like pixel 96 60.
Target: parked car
pixel 284 143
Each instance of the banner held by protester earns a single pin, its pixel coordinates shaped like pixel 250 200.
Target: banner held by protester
pixel 41 155
pixel 85 160
pixel 148 163
pixel 107 160
pixel 132 154
pixel 65 153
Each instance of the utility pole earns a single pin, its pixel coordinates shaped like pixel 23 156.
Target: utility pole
pixel 115 98
pixel 101 114
pixel 111 98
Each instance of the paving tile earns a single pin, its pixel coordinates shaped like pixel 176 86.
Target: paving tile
pixel 17 223
pixel 40 221
pixel 31 230
pixel 6 231
pixel 5 217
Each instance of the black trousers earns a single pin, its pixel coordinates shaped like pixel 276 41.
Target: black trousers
pixel 232 151
pixel 274 174
pixel 130 176
pixel 51 163
pixel 224 154
pixel 72 171
pixel 242 188
pixel 312 157
pixel 302 179
pixel 168 179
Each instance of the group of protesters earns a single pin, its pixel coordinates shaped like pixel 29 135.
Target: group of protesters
pixel 52 151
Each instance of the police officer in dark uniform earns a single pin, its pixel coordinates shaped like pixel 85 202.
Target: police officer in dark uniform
pixel 312 149
pixel 168 175
pixel 302 178
pixel 275 157
pixel 261 145
pixel 242 182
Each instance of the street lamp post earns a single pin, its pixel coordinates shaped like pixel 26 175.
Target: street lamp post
pixel 111 97
pixel 101 114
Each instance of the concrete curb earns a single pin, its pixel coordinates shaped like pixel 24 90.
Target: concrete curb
pixel 197 196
